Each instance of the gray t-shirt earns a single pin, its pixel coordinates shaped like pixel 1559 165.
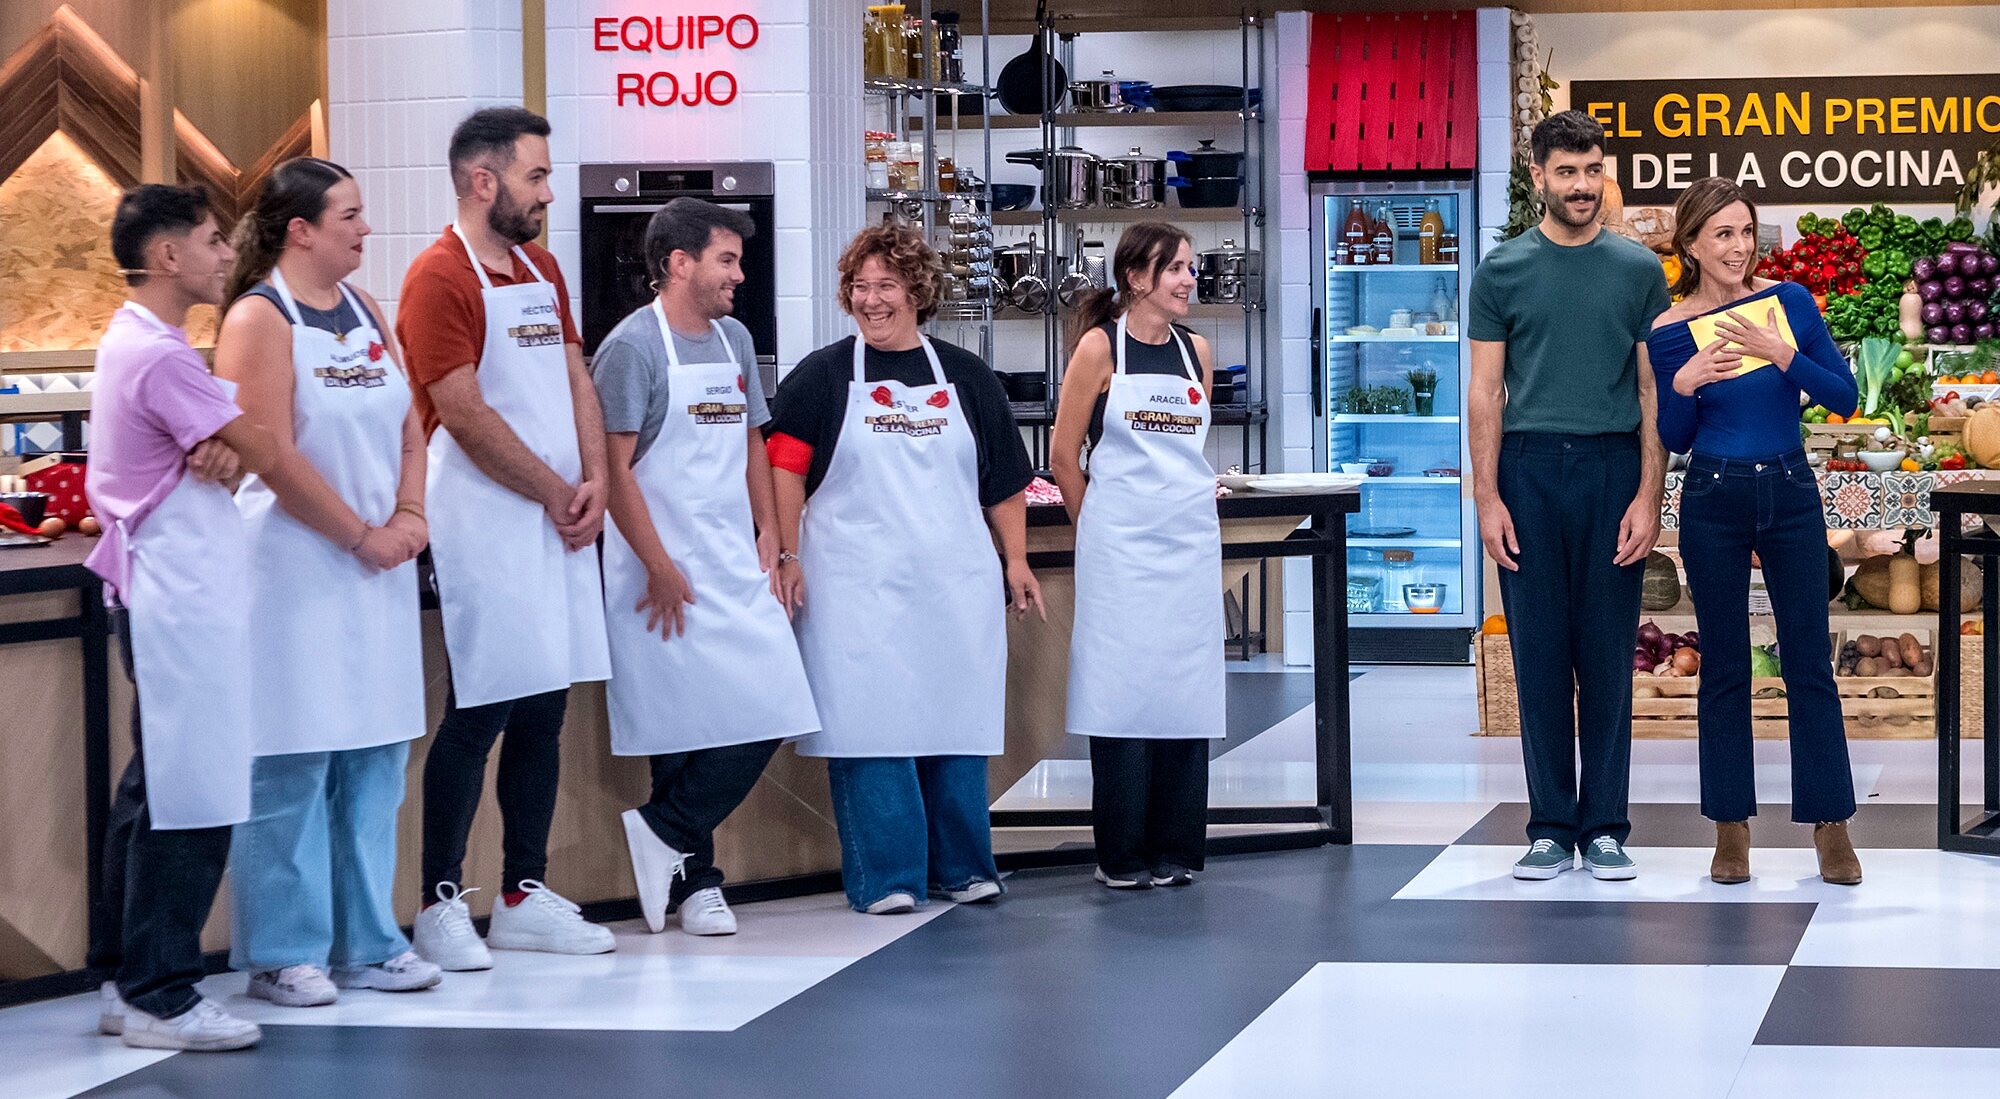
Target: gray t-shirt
pixel 630 369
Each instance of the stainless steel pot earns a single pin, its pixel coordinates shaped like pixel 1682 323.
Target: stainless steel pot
pixel 1016 262
pixel 1134 181
pixel 1220 289
pixel 1075 282
pixel 1230 260
pixel 1069 180
pixel 1097 96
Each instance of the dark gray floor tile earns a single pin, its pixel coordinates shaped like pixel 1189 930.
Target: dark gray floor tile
pixel 1825 1006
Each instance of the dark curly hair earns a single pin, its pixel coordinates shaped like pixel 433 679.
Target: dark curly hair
pixel 904 252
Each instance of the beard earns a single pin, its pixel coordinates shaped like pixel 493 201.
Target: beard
pixel 1560 207
pixel 515 222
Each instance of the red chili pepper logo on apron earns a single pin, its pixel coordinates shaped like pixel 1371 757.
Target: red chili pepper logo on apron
pixel 375 352
pixel 939 399
pixel 1194 395
pixel 739 384
pixel 882 396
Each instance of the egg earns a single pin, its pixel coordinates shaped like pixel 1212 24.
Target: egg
pixel 89 525
pixel 52 527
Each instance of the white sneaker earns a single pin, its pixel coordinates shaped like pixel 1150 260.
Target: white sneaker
pixel 704 912
pixel 654 867
pixel 444 933
pixel 406 972
pixel 978 891
pixel 110 1009
pixel 203 1028
pixel 546 921
pixel 294 986
pixel 895 904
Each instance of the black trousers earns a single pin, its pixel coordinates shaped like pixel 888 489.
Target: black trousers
pixel 1148 802
pixel 455 775
pixel 693 793
pixel 1572 619
pixel 1772 507
pixel 158 889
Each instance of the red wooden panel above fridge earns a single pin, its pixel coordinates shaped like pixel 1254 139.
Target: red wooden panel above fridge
pixel 1393 92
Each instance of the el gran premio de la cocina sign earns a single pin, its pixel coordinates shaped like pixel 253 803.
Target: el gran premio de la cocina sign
pixel 1796 140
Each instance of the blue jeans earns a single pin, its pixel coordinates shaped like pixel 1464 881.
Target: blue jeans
pixel 1729 508
pixel 911 825
pixel 312 869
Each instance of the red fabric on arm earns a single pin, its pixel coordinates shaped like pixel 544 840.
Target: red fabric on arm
pixel 789 454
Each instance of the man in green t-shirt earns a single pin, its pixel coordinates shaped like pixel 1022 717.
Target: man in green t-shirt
pixel 1567 472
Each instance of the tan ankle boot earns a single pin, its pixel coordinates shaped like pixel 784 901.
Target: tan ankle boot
pixel 1838 864
pixel 1732 853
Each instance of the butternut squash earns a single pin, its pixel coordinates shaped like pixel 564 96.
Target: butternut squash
pixel 1906 588
pixel 1981 436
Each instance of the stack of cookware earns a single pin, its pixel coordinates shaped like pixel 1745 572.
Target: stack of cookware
pixel 1076 179
pixel 967 251
pixel 1228 275
pixel 1029 275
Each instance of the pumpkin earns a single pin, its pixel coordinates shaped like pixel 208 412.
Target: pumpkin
pixel 1661 588
pixel 1672 266
pixel 1968 586
pixel 1494 624
pixel 1980 438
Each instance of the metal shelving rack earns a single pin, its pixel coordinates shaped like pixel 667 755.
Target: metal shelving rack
pixel 898 94
pixel 1058 128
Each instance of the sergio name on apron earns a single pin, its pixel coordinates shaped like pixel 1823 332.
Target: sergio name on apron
pixel 522 614
pixel 735 676
pixel 1145 655
pixel 904 630
pixel 336 645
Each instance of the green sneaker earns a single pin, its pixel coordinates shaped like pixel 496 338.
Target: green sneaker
pixel 1608 861
pixel 1544 860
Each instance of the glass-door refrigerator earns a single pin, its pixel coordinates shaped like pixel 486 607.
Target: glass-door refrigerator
pixel 1394 264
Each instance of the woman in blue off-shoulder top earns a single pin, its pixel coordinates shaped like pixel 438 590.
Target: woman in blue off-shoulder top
pixel 1732 358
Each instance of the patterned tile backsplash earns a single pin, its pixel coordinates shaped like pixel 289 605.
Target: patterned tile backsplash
pixel 30 439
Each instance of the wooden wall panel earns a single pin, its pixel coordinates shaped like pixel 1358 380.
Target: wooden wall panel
pixel 244 71
pixel 122 22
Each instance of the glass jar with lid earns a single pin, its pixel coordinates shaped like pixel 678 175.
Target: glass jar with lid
pixel 1399 567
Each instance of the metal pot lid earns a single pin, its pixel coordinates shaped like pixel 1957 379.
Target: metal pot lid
pixel 1136 156
pixel 1227 250
pixel 1208 149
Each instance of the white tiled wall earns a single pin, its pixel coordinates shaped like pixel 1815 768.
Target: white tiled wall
pixel 1496 110
pixel 399 77
pixel 1291 274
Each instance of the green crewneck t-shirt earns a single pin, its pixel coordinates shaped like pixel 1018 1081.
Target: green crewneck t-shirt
pixel 1572 318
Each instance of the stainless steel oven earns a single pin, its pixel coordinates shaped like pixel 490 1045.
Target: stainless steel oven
pixel 619 199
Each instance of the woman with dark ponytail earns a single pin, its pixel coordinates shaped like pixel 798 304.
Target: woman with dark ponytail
pixel 1145 659
pixel 336 665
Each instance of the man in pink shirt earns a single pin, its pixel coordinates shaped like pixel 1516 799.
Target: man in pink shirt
pixel 174 560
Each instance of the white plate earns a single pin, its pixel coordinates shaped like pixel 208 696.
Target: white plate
pixel 1304 482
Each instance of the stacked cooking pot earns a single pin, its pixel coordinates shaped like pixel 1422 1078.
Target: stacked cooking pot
pixel 1075 179
pixel 1228 275
pixel 1029 275
pixel 967 252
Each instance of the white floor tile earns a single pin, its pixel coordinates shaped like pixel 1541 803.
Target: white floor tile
pixel 669 981
pixel 1860 1072
pixel 53 1049
pixel 1473 873
pixel 1487 1030
pixel 1921 909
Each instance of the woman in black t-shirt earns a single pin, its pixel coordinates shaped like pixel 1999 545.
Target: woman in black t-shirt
pixel 898 466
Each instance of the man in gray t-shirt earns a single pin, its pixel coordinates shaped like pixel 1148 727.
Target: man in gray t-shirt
pixel 630 370
pixel 706 676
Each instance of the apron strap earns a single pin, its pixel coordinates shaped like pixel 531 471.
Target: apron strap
pixel 667 337
pixel 479 269
pixel 533 271
pixel 362 318
pixel 861 350
pixel 1174 337
pixel 289 303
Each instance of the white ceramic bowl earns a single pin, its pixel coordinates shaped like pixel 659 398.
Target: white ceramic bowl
pixel 1355 467
pixel 1881 461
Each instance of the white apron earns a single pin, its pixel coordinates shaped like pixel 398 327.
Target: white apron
pixel 734 677
pixel 904 629
pixel 187 600
pixel 336 646
pixel 522 614
pixel 1145 655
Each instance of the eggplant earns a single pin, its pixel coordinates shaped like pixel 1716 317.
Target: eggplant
pixel 1975 311
pixel 1932 313
pixel 1989 265
pixel 1982 331
pixel 1930 290
pixel 1923 268
pixel 1937 333
pixel 1980 288
pixel 1961 333
pixel 1954 312
pixel 1947 264
pixel 1954 287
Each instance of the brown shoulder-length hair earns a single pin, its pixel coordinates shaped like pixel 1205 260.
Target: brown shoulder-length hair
pixel 1146 246
pixel 1700 202
pixel 904 252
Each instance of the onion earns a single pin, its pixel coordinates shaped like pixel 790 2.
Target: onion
pixel 1693 640
pixel 1930 290
pixel 1687 662
pixel 1954 287
pixel 1642 661
pixel 1923 268
pixel 1932 312
pixel 1961 333
pixel 1947 264
pixel 1937 333
pixel 1954 312
pixel 1649 633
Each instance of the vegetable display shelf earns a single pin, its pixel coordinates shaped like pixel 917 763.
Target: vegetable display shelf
pixel 1857 501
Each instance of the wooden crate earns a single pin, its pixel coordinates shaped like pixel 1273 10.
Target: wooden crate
pixel 1493 671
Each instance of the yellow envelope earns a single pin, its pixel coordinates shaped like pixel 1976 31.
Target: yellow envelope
pixel 1702 328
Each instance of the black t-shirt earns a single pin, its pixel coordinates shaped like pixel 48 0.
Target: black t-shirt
pixel 811 405
pixel 1145 358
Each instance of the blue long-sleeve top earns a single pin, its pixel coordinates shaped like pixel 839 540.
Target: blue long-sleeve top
pixel 1754 415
